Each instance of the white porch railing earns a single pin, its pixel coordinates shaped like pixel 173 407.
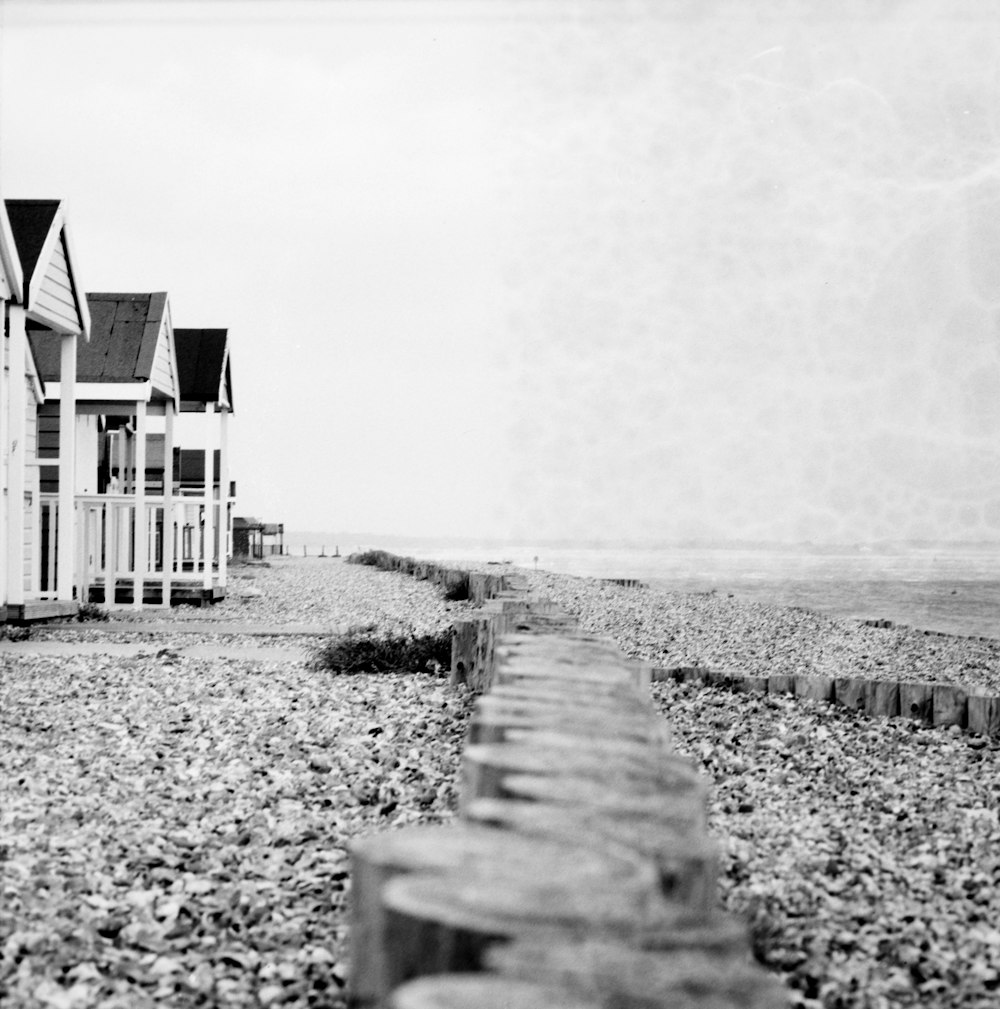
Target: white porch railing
pixel 109 527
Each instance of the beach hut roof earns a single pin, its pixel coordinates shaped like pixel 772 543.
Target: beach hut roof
pixel 203 368
pixel 131 342
pixel 51 295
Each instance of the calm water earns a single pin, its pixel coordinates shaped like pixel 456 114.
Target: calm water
pixel 953 589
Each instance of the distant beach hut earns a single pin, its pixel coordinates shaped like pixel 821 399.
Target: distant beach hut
pixel 255 539
pixel 203 360
pixel 248 537
pixel 45 312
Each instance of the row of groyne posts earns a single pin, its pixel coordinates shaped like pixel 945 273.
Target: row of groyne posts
pixel 578 873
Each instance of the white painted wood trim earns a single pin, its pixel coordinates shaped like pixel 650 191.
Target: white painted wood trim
pixel 9 259
pixel 32 372
pixel 67 470
pixel 140 541
pixel 15 447
pixel 223 496
pixel 4 448
pixel 109 392
pixel 168 506
pixel 78 289
pixel 209 542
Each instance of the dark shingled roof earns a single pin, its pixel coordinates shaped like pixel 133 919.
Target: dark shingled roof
pixel 30 221
pixel 123 334
pixel 201 358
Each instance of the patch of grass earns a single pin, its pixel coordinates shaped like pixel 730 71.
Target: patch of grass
pixel 363 650
pixel 91 611
pixel 372 558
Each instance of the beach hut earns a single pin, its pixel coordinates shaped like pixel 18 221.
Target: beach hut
pixel 273 538
pixel 248 533
pixel 126 380
pixel 203 362
pixel 44 308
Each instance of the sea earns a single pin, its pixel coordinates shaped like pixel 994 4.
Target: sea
pixel 953 588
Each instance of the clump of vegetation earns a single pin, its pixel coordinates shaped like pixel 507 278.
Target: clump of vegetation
pixel 372 558
pixel 91 611
pixel 365 650
pixel 15 632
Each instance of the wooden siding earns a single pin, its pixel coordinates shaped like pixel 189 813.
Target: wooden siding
pixel 48 435
pixel 162 374
pixel 31 424
pixel 54 294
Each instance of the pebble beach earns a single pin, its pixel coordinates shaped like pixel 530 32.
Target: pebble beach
pixel 174 828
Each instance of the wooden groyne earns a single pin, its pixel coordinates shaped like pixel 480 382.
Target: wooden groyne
pixel 579 873
pixel 932 703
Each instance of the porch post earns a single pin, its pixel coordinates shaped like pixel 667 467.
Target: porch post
pixel 223 495
pixel 67 469
pixel 209 535
pixel 168 503
pixel 4 443
pixel 16 432
pixel 140 529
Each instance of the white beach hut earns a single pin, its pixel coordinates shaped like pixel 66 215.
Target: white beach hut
pixel 43 306
pixel 126 379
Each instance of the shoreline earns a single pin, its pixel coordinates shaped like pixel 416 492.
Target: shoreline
pixel 760 639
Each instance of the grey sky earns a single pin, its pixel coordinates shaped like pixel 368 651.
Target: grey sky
pixel 553 269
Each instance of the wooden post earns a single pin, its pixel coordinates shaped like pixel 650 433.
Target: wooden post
pixel 817 688
pixel 622 974
pixel 378 859
pixel 916 700
pixel 686 861
pixel 781 683
pixel 139 536
pixel 882 699
pixel 168 503
pixel 984 713
pixel 4 457
pixel 486 768
pixel 441 922
pixel 208 532
pixel 67 469
pixel 483 991
pixel 16 446
pixel 851 691
pixel 950 706
pixel 223 494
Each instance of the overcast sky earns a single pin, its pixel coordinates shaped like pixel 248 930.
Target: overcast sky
pixel 553 269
